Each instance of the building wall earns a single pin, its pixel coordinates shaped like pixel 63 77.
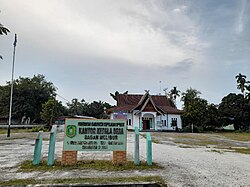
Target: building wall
pixel 178 117
pixel 162 122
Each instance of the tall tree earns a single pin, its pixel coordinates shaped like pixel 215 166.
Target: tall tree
pixel 211 118
pixel 197 111
pixel 76 107
pixel 232 109
pixel 248 92
pixel 51 110
pixel 244 87
pixel 3 30
pixel 241 80
pixel 173 94
pixel 189 96
pixel 94 109
pixel 29 95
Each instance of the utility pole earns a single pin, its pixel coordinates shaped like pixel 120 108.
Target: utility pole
pixel 11 89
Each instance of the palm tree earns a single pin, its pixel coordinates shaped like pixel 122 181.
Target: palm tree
pixel 3 30
pixel 241 80
pixel 75 107
pixel 248 91
pixel 174 93
pixel 189 96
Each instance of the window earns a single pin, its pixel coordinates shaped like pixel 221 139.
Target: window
pixel 163 122
pixel 174 122
pixel 129 122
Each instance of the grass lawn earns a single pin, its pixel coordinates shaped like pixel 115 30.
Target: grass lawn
pixel 243 136
pixel 221 141
pixel 24 130
pixel 100 165
pixel 15 130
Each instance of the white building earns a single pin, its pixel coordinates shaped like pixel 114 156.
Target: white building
pixel 147 112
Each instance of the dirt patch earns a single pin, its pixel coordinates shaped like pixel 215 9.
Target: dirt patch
pixel 183 164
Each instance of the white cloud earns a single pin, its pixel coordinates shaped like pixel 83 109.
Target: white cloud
pixel 96 46
pixel 141 33
pixel 240 22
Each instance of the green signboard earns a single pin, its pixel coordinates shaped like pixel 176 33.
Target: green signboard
pixel 95 135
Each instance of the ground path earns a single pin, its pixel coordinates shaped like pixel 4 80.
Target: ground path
pixel 182 166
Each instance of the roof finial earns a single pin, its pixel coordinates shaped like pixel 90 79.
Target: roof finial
pixel 160 87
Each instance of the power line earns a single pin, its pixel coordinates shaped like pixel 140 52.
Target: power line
pixel 62 98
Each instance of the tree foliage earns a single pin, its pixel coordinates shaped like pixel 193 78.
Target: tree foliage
pixel 235 108
pixel 51 110
pixel 28 96
pixel 232 110
pixel 173 94
pixel 198 112
pixel 94 109
pixel 76 107
pixel 3 30
pixel 241 82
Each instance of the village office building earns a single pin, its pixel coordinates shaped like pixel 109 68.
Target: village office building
pixel 147 112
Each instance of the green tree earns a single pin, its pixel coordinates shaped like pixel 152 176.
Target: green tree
pixel 195 114
pixel 76 107
pixel 51 110
pixel 189 96
pixel 248 92
pixel 28 96
pixel 3 30
pixel 4 100
pixel 232 109
pixel 211 118
pixel 197 111
pixel 241 81
pixel 173 94
pixel 243 123
pixel 94 109
pixel 97 109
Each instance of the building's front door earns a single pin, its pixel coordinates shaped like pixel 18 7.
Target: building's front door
pixel 146 125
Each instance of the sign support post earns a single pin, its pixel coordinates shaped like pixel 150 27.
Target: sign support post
pixel 52 142
pixel 136 150
pixel 149 149
pixel 38 148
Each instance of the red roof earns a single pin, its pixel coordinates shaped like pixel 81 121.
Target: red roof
pixel 130 102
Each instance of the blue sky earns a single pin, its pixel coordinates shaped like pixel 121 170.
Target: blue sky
pixel 93 47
